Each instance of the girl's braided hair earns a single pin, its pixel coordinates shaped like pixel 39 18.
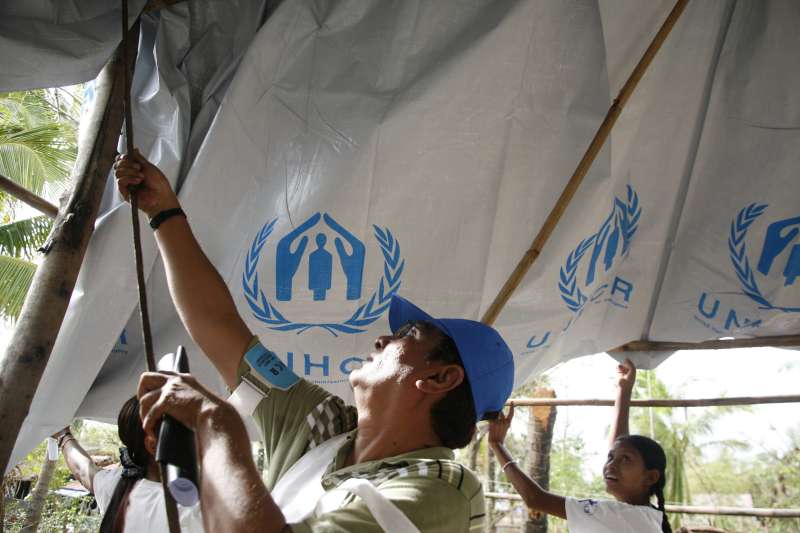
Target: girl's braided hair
pixel 654 459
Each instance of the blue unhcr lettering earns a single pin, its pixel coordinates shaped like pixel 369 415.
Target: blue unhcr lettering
pixel 532 343
pixel 345 366
pixel 324 365
pixel 622 286
pixel 701 307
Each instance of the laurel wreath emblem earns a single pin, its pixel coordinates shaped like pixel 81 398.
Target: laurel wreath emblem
pixel 627 215
pixel 737 249
pixel 366 314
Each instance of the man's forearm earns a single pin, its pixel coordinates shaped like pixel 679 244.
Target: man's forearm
pixel 233 496
pixel 202 298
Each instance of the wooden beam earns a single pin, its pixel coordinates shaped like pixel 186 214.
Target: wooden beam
pixel 24 195
pixel 691 509
pixel 584 165
pixel 704 402
pixel 29 349
pixel 721 344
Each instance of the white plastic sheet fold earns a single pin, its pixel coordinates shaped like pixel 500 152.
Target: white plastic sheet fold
pixel 367 148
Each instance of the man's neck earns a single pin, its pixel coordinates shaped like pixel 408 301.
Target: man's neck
pixel 389 436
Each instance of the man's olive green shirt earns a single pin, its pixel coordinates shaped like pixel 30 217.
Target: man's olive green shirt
pixel 436 493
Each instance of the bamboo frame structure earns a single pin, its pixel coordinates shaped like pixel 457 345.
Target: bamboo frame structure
pixel 703 402
pixel 24 195
pixel 584 165
pixel 29 349
pixel 727 344
pixel 692 509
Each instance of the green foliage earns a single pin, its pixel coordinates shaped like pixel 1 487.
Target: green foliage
pixel 15 280
pixel 20 238
pixel 38 147
pixel 62 513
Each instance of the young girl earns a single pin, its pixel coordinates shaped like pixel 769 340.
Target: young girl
pixel 130 497
pixel 634 473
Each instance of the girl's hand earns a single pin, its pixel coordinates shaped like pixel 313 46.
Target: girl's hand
pixel 626 376
pixel 153 189
pixel 499 426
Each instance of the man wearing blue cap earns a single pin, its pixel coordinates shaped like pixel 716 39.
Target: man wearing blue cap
pixel 385 464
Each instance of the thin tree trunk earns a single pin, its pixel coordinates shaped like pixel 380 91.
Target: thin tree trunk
pixel 39 496
pixel 29 349
pixel 491 475
pixel 475 448
pixel 541 421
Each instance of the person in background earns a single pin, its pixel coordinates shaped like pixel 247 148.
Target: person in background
pixel 130 496
pixel 634 473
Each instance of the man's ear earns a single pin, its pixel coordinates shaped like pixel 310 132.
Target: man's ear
pixel 441 380
pixel 150 444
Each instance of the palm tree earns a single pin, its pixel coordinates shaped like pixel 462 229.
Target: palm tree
pixel 37 150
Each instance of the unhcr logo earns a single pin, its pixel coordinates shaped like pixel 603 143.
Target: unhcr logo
pixel 778 257
pixel 611 241
pixel 309 246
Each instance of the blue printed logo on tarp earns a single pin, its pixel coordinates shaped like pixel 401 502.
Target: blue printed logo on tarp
pixel 778 255
pixel 578 286
pixel 293 248
pixel 612 240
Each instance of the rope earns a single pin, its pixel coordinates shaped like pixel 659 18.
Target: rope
pixel 169 501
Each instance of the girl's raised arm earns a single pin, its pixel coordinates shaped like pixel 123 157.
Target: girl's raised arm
pixel 626 378
pixel 534 496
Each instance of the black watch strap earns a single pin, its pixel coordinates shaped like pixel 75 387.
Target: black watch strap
pixel 165 215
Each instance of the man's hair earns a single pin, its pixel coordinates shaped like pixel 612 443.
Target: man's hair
pixel 453 417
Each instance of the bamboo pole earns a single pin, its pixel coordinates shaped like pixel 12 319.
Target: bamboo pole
pixel 692 509
pixel 24 195
pixel 29 349
pixel 595 146
pixel 756 342
pixel 704 402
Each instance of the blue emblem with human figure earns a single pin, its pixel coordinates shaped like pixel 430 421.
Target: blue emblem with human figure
pixel 611 241
pixel 777 259
pixel 308 248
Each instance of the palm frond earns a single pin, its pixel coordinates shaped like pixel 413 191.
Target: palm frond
pixel 32 157
pixel 16 276
pixel 22 237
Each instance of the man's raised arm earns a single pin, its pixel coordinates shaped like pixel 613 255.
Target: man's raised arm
pixel 201 297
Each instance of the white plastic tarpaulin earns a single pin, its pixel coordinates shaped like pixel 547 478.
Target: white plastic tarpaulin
pixel 365 149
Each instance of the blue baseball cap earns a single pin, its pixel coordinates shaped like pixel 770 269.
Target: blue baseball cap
pixel 487 360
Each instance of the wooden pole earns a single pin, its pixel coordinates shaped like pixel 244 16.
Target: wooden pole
pixel 541 421
pixel 24 195
pixel 756 342
pixel 29 349
pixel 567 194
pixel 692 509
pixel 705 402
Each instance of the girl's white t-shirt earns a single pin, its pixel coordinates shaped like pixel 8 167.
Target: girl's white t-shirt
pixel 146 512
pixel 609 516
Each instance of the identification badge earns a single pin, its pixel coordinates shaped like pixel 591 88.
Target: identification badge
pixel 269 369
